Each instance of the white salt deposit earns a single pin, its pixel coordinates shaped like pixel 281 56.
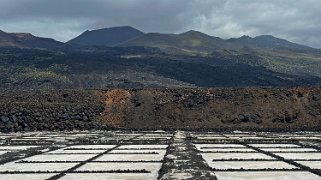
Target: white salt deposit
pixel 249 137
pixel 225 156
pixel 311 164
pixel 222 165
pixel 289 149
pixel 228 150
pixel 63 151
pixel 138 151
pixel 58 157
pixel 16 147
pixel 200 146
pixel 92 147
pixel 12 166
pixel 120 166
pixel 275 175
pixel 131 157
pixel 214 138
pixel 38 137
pixel 26 176
pixel 111 176
pixel 3 152
pixel 301 156
pixel 274 145
pixel 142 146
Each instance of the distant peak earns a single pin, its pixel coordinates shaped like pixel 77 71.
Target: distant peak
pixel 266 37
pixel 22 34
pixel 115 28
pixel 245 37
pixel 192 32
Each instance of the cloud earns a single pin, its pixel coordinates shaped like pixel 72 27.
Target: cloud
pixel 295 20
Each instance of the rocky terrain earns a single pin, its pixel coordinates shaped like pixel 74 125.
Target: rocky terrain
pixel 271 109
pixel 49 110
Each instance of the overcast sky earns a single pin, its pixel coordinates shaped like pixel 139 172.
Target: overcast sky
pixel 296 20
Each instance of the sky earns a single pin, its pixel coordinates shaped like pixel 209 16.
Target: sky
pixel 295 20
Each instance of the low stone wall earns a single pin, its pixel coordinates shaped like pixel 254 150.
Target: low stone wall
pixel 50 110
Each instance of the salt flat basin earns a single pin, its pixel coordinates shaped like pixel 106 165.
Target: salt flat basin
pixel 212 138
pixel 301 156
pixel 120 166
pixel 311 164
pixel 156 146
pixel 222 165
pixel 91 147
pixel 13 166
pixel 201 146
pixel 3 152
pixel 73 151
pixel 274 145
pixel 135 151
pixel 26 176
pixel 275 175
pixel 289 149
pixel 228 150
pixel 226 156
pixel 111 176
pixel 12 148
pixel 131 157
pixel 60 157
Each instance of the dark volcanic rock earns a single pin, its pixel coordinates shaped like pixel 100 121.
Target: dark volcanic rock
pixel 31 110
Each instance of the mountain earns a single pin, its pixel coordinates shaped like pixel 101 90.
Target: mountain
pixel 200 40
pixel 153 40
pixel 127 57
pixel 6 40
pixel 267 41
pixel 26 40
pixel 106 37
pixel 31 41
pixel 189 41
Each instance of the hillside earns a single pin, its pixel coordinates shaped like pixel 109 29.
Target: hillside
pixel 134 68
pixel 26 40
pixel 191 41
pixel 6 40
pixel 106 37
pixel 267 41
pixel 127 57
pixel 31 41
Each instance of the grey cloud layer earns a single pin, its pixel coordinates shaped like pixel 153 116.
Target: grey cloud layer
pixel 296 20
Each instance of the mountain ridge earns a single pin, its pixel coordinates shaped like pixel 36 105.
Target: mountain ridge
pixel 26 40
pixel 125 36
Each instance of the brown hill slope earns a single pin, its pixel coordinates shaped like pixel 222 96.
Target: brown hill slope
pixel 219 109
pixel 26 40
pixel 6 40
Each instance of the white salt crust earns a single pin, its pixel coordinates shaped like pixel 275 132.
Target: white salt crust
pixel 301 156
pixel 222 165
pixel 60 157
pixel 275 175
pixel 26 176
pixel 226 156
pixel 12 166
pixel 111 176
